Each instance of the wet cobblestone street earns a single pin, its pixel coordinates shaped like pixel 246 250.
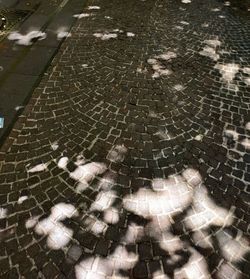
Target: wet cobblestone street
pixel 132 156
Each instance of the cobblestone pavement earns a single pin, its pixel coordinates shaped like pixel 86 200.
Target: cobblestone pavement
pixel 131 159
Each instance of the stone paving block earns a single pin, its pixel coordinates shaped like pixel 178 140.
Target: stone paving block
pixel 131 158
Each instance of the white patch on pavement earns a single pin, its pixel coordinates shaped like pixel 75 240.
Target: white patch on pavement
pixel 94 8
pixel 111 215
pixel 3 213
pixel 158 67
pixel 105 36
pixel 63 34
pixel 184 22
pixel 86 173
pixel 79 16
pixel 130 34
pixel 103 201
pixel 38 168
pixel 17 108
pixel 22 199
pixel 117 153
pixel 58 235
pixel 210 50
pixel 101 268
pixel 247 126
pixel 179 87
pixel 54 145
pixel 27 39
pixel 62 163
pixel 227 71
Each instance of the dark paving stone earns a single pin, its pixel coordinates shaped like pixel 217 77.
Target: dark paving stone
pixel 169 146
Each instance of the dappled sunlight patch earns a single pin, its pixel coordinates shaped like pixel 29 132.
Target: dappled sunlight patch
pixel 201 238
pixel 158 66
pixel 80 160
pixel 81 186
pixel 103 201
pixel 216 9
pixel 106 182
pixel 94 8
pixel 111 215
pixel 117 30
pixel 246 143
pixel 192 177
pixel 170 243
pixel 93 224
pixel 63 34
pixel 246 70
pixel 147 203
pixel 227 71
pixel 159 275
pixel 123 259
pixel 170 197
pixel 184 22
pixel 179 87
pixel 232 138
pixel 57 234
pixel 86 173
pixel 205 212
pixel 226 270
pixel 99 227
pixel 153 114
pixel 38 168
pixel 178 27
pixel 199 137
pixel 31 222
pixel 133 234
pixel 246 76
pixel 59 237
pixel 62 211
pixel 204 25
pixel 99 268
pixel 130 34
pixel 164 135
pixel 3 213
pixel 231 134
pixel 54 145
pixel 210 49
pixel 27 39
pixel 167 56
pixel 105 36
pixel 62 163
pixel 213 43
pixel 17 108
pixel 195 268
pixel 141 70
pixel 247 81
pixel 22 199
pixel 82 15
pixel 117 153
pixel 233 249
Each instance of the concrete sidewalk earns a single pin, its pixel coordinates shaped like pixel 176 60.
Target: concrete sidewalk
pixel 131 158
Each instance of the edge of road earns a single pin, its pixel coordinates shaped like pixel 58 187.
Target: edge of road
pixel 24 66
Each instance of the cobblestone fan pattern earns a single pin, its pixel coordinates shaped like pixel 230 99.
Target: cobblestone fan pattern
pixel 131 159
